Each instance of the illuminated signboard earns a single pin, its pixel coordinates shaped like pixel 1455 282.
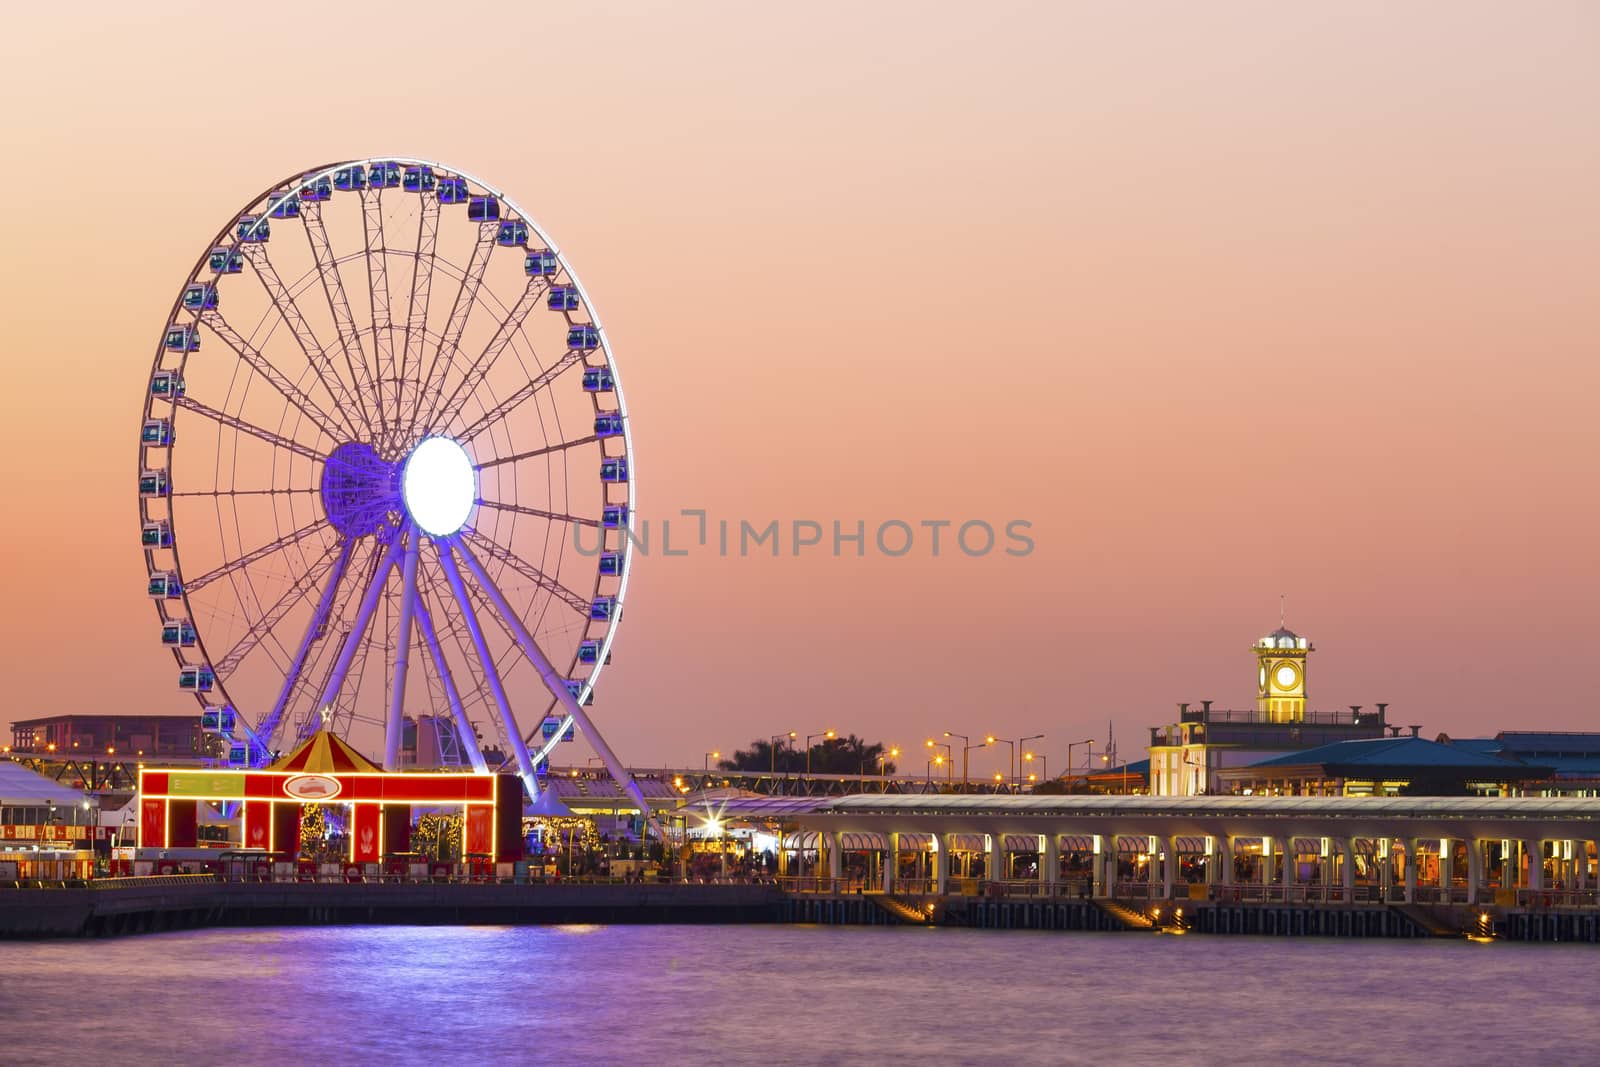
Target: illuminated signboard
pixel 312 787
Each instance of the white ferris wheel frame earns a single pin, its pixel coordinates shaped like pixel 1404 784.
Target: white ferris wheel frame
pixel 571 704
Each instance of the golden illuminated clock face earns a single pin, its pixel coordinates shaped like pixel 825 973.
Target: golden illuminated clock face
pixel 1285 676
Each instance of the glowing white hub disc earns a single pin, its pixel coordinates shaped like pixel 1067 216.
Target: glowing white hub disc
pixel 439 486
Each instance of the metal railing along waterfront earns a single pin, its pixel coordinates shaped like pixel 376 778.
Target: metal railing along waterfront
pixel 1546 899
pixel 824 884
pixel 139 881
pixel 1073 888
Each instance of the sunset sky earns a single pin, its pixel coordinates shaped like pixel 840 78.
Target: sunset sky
pixel 1228 300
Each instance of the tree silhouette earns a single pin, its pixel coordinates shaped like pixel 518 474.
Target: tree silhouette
pixel 833 755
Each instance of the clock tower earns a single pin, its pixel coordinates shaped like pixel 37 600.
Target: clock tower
pixel 1281 675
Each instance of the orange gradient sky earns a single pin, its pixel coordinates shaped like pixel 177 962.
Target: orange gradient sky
pixel 1228 300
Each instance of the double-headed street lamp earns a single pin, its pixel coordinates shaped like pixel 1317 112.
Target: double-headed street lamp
pixel 948 760
pixel 966 746
pixel 1044 766
pixel 1072 745
pixel 1011 762
pixel 826 735
pixel 882 761
pixel 1022 744
pixel 772 746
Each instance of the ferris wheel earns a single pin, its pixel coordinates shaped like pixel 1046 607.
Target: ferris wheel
pixel 386 475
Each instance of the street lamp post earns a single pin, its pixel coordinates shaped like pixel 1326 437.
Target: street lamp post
pixel 1044 764
pixel 966 746
pixel 826 735
pixel 883 765
pixel 1022 743
pixel 709 757
pixel 772 747
pixel 948 760
pixel 1070 747
pixel 1011 763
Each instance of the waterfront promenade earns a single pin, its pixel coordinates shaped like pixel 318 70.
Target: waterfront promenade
pixel 1518 867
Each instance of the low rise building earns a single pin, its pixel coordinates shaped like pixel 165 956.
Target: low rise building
pixel 1572 758
pixel 1385 766
pixel 123 735
pixel 1189 757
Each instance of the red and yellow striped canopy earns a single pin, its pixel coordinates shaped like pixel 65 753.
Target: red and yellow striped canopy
pixel 323 753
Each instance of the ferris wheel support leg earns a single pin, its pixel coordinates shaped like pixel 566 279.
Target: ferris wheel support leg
pixel 402 654
pixel 555 683
pixel 269 726
pixel 358 632
pixel 451 694
pixel 497 689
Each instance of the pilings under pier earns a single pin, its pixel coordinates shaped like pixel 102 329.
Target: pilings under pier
pixel 137 906
pixel 135 909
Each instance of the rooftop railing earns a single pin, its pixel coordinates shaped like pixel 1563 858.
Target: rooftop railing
pixel 1253 715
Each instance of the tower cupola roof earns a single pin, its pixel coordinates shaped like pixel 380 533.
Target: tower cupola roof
pixel 1283 637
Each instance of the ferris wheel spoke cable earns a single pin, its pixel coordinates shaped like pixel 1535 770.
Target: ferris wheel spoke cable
pixel 441 410
pixel 289 312
pixel 253 358
pixel 256 554
pixel 466 296
pixel 222 418
pixel 494 416
pixel 538 577
pixel 270 619
pixel 421 290
pixel 378 292
pixel 545 451
pixel 539 513
pixel 327 269
pixel 241 492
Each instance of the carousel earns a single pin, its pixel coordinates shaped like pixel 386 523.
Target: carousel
pixel 325 779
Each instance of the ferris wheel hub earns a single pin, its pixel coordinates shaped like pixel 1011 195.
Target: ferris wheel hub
pixel 439 486
pixel 359 489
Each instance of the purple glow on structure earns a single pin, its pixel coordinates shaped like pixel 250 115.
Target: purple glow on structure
pixel 359 489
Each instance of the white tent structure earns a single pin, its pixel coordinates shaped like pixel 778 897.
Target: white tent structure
pixel 21 787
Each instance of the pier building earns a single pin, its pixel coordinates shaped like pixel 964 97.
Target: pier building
pixel 1506 851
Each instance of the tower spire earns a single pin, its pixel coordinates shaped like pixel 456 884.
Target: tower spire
pixel 1282 609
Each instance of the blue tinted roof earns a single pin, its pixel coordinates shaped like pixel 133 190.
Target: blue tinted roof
pixel 1487 746
pixel 1571 766
pixel 1531 741
pixel 1392 752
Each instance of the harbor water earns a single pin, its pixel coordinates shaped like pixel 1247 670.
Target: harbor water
pixel 768 994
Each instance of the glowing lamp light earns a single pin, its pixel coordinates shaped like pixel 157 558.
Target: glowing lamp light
pixel 439 486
